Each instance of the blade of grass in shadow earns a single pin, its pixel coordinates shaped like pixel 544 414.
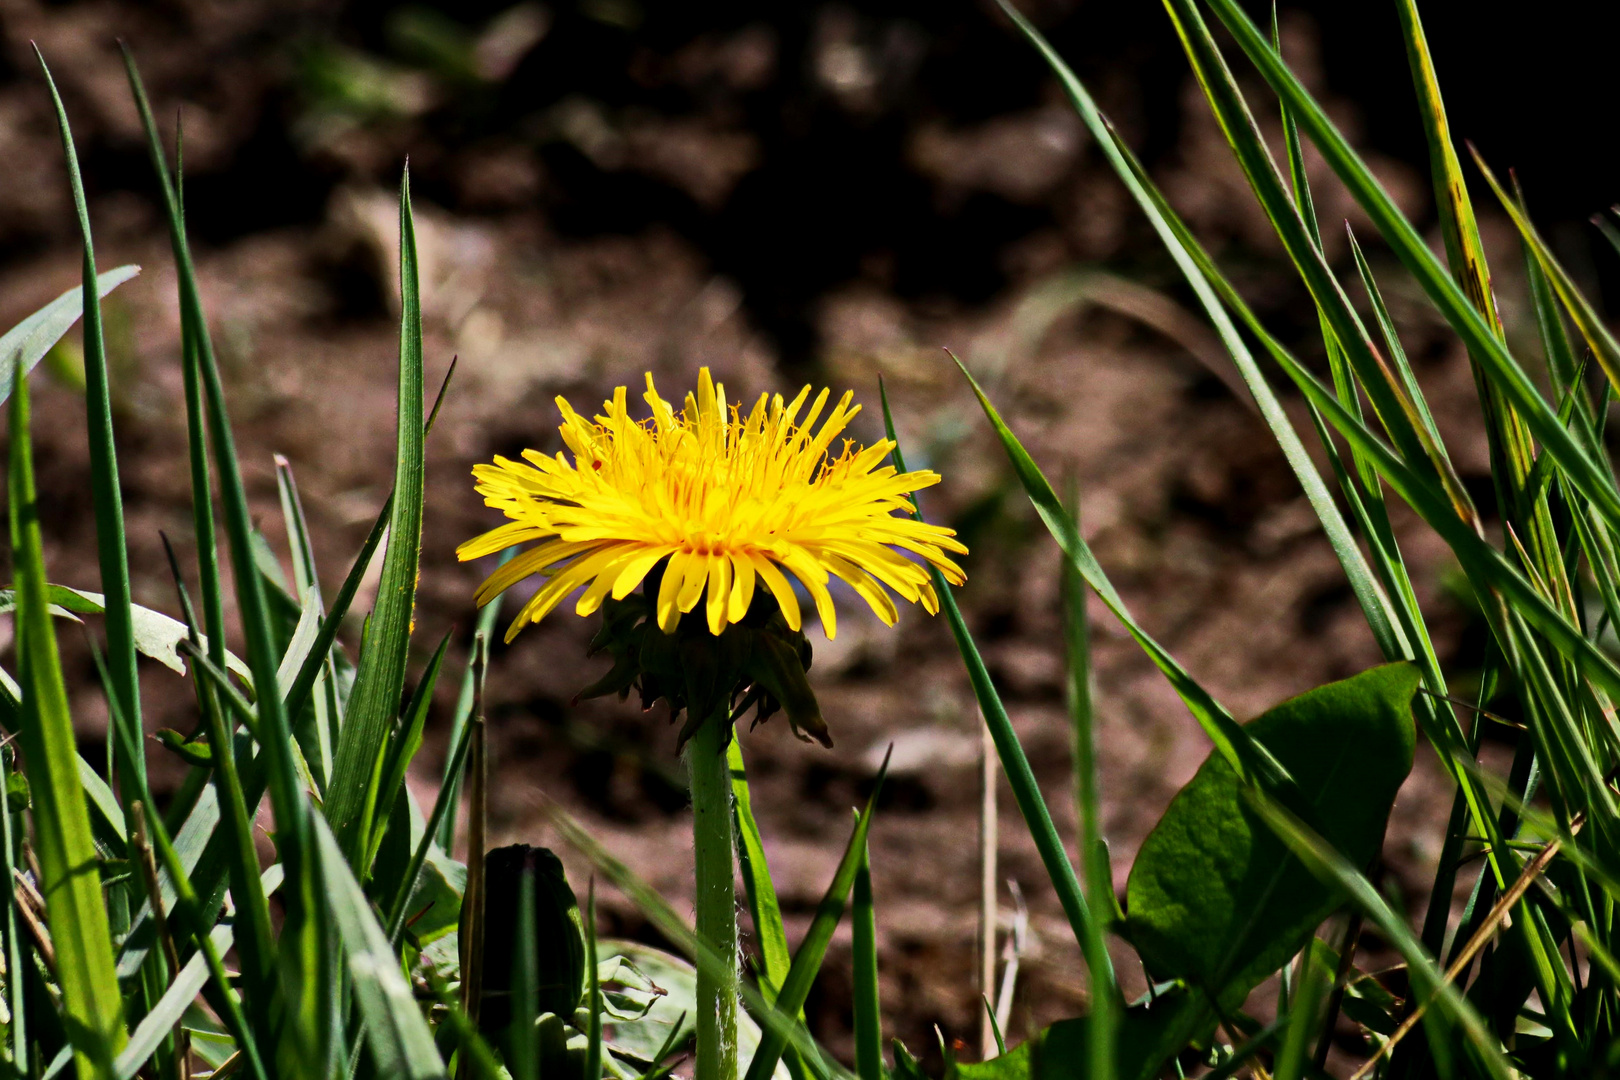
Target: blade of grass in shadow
pixel 401 1043
pixel 321 734
pixel 451 781
pixel 112 547
pixel 351 804
pixel 813 948
pixel 443 807
pixel 1324 861
pixel 1097 874
pixel 1588 475
pixel 866 1004
pixel 92 1003
pixel 1393 406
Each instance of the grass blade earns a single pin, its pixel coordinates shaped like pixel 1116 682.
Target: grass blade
pixel 1326 863
pixel 1097 874
pixel 866 1005
pixel 1589 476
pixel 403 748
pixel 775 959
pixel 401 1043
pixel 93 1006
pixel 443 806
pixel 593 992
pixel 680 933
pixel 807 959
pixel 1014 762
pixel 25 345
pixel 15 998
pixel 352 795
pixel 112 547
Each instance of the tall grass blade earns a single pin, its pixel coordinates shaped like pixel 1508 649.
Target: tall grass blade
pixel 813 949
pixel 1014 762
pixel 593 992
pixel 402 749
pixel 112 547
pixel 775 959
pixel 16 1000
pixel 324 709
pixel 1586 474
pixel 866 1004
pixel 401 1043
pixel 373 704
pixel 92 1003
pixel 1375 604
pixel 1395 409
pixel 1097 874
pixel 188 915
pixel 443 807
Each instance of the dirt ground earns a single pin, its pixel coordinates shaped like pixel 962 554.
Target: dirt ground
pixel 1078 331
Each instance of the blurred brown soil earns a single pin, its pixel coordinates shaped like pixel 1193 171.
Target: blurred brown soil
pixel 1186 500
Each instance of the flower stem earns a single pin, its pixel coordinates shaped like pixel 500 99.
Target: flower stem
pixel 716 899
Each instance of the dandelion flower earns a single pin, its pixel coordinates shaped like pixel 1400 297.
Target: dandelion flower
pixel 730 500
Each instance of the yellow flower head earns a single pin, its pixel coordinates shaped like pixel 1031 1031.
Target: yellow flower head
pixel 729 500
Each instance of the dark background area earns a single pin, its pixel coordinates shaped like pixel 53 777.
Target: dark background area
pixel 788 192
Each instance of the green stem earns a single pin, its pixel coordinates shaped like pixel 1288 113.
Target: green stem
pixel 716 900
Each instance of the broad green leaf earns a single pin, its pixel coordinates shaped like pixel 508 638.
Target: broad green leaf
pixel 1214 898
pixel 1147 1036
pixel 401 1043
pixel 352 794
pixel 24 345
pixel 92 1003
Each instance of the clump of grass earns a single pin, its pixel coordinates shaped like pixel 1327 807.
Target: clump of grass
pixel 113 913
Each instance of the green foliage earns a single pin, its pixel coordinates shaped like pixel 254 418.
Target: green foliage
pixel 1214 898
pixel 362 972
